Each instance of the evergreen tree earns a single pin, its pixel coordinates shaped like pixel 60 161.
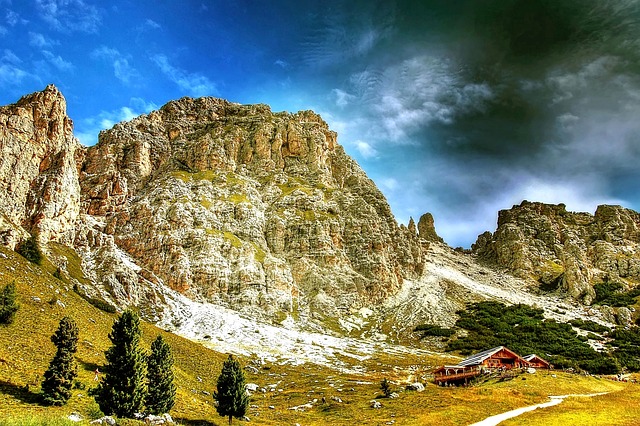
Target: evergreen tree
pixel 161 390
pixel 231 394
pixel 385 387
pixel 122 390
pixel 58 379
pixel 30 250
pixel 8 304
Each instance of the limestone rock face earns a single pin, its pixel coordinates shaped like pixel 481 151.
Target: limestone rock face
pixel 237 204
pixel 38 171
pixel 561 249
pixel 427 228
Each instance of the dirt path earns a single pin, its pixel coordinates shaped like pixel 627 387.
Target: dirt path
pixel 554 400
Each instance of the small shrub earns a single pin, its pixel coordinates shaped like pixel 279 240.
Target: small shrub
pixel 611 294
pixel 102 305
pixel 434 330
pixel 57 273
pixel 30 250
pixel 589 325
pixel 98 303
pixel 8 304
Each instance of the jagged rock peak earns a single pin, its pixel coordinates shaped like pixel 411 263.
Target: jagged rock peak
pixel 38 168
pixel 427 228
pixel 565 250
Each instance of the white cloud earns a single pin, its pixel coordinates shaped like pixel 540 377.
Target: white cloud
pixel 194 84
pixel 567 121
pixel 87 130
pixel 365 149
pixel 122 70
pixel 10 57
pixel 150 23
pixel 12 18
pixel 57 61
pixel 389 183
pixel 40 41
pixel 413 94
pixel 342 98
pixel 281 63
pixel 70 15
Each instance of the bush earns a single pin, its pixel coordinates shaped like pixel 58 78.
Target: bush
pixel 589 325
pixel 433 330
pixel 524 330
pixel 8 304
pixel 30 250
pixel 98 303
pixel 611 294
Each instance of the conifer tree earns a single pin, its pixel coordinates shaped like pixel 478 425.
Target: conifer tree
pixel 161 389
pixel 386 389
pixel 122 390
pixel 58 379
pixel 231 395
pixel 8 304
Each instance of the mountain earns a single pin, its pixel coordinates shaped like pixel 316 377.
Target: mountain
pixel 221 202
pixel 235 206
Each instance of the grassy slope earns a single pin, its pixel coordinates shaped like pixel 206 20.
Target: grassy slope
pixel 25 351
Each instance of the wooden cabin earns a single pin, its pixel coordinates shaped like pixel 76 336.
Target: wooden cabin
pixel 499 358
pixel 494 358
pixel 536 362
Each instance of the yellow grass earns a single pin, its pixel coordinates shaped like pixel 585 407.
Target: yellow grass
pixel 25 351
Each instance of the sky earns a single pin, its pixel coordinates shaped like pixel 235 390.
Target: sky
pixel 460 108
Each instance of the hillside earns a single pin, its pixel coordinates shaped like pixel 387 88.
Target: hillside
pixel 348 389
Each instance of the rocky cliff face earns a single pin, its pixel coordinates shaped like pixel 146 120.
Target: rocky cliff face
pixel 38 174
pixel 561 249
pixel 219 201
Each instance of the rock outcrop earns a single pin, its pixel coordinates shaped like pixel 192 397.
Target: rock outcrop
pixel 38 173
pixel 566 250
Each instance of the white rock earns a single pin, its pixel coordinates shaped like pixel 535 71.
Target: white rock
pixel 75 417
pixel 417 386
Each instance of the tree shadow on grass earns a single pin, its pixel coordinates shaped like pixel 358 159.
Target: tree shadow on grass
pixel 22 393
pixel 191 422
pixel 89 366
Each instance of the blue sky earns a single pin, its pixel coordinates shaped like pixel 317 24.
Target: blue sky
pixel 459 108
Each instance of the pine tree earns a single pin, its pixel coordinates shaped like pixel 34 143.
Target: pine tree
pixel 8 304
pixel 231 395
pixel 161 389
pixel 122 390
pixel 58 379
pixel 386 389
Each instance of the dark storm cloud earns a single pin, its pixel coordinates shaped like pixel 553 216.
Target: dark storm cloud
pixel 500 100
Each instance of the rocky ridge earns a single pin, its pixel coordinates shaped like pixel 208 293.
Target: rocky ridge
pixel 264 213
pixel 562 250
